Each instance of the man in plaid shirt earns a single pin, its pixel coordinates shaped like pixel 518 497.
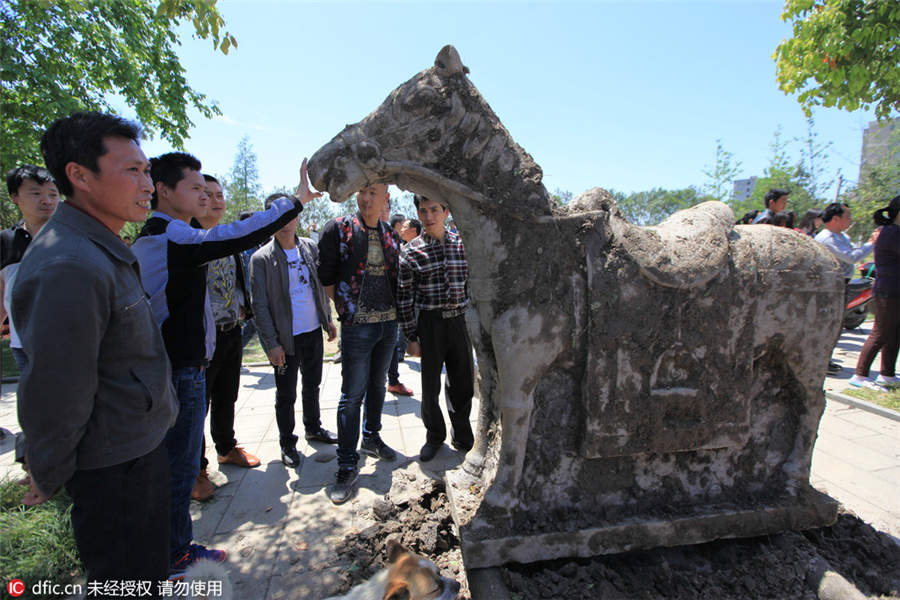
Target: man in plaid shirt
pixel 433 283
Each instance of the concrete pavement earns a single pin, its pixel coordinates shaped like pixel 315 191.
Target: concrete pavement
pixel 279 527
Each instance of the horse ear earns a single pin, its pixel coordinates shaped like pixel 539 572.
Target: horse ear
pixel 448 62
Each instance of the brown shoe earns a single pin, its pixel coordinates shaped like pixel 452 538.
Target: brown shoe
pixel 240 457
pixel 399 389
pixel 203 487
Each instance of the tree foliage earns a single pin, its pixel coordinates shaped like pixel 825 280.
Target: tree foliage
pixel 652 206
pixel 879 182
pixel 814 162
pixel 843 53
pixel 805 177
pixel 243 190
pixel 721 175
pixel 61 56
pixel 561 197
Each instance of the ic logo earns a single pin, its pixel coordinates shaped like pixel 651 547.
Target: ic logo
pixel 15 587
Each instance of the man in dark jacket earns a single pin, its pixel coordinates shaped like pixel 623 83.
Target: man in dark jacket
pixel 95 400
pixel 291 311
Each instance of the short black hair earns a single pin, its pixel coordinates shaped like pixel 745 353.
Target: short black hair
pixel 273 197
pixel 16 177
pixel 418 198
pixel 784 218
pixel 417 225
pixel 835 209
pixel 748 217
pixel 774 194
pixel 210 179
pixel 79 138
pixel 169 169
pixel 397 218
pixel 246 214
pixel 808 222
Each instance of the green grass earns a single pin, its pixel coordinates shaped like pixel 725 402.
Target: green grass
pixel 36 542
pixel 889 399
pixel 9 363
pixel 253 352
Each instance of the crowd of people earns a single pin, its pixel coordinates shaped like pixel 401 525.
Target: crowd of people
pixel 827 226
pixel 124 348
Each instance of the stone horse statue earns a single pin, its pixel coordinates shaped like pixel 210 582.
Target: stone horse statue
pixel 640 386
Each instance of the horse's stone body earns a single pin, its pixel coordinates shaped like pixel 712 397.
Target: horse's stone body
pixel 639 386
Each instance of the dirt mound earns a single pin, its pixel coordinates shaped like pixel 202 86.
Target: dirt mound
pixel 772 567
pixel 416 513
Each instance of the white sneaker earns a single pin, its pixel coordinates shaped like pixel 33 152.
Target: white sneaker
pixel 887 381
pixel 871 385
pixel 859 381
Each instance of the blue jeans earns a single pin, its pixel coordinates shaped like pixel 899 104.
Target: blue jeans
pixel 367 349
pixel 183 443
pixel 399 352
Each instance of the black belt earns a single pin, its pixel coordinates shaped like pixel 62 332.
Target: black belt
pixel 447 313
pixel 226 327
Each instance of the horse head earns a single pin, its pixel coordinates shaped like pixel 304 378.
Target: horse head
pixel 433 135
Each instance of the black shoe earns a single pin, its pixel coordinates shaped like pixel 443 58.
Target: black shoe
pixel 833 368
pixel 343 485
pixel 322 435
pixel 290 457
pixel 375 446
pixel 428 452
pixel 461 448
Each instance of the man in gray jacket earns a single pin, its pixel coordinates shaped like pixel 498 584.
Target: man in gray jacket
pixel 291 309
pixel 96 398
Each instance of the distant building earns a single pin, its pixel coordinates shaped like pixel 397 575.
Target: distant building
pixel 743 188
pixel 881 140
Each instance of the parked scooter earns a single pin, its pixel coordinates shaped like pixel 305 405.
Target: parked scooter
pixel 858 295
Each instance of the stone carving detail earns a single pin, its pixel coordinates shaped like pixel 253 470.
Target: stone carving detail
pixel 639 386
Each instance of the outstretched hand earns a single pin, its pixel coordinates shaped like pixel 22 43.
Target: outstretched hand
pixel 303 192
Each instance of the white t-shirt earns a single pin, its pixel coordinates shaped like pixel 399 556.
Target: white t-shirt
pixel 9 279
pixel 303 304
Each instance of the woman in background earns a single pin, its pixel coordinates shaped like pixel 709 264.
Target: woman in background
pixel 885 304
pixel 811 222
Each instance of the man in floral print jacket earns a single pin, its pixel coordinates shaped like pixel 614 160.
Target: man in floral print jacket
pixel 358 266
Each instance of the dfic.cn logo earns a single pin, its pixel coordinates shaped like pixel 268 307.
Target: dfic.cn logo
pixel 15 587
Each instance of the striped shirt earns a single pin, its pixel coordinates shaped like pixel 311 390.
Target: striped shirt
pixel 434 275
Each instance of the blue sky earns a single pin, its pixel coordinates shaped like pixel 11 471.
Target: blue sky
pixel 621 95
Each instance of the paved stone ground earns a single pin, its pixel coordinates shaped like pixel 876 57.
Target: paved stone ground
pixel 280 528
pixel 857 454
pixel 276 523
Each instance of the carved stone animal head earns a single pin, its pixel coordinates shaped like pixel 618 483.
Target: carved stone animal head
pixel 433 135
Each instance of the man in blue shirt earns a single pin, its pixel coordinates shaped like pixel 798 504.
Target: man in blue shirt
pixel 836 220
